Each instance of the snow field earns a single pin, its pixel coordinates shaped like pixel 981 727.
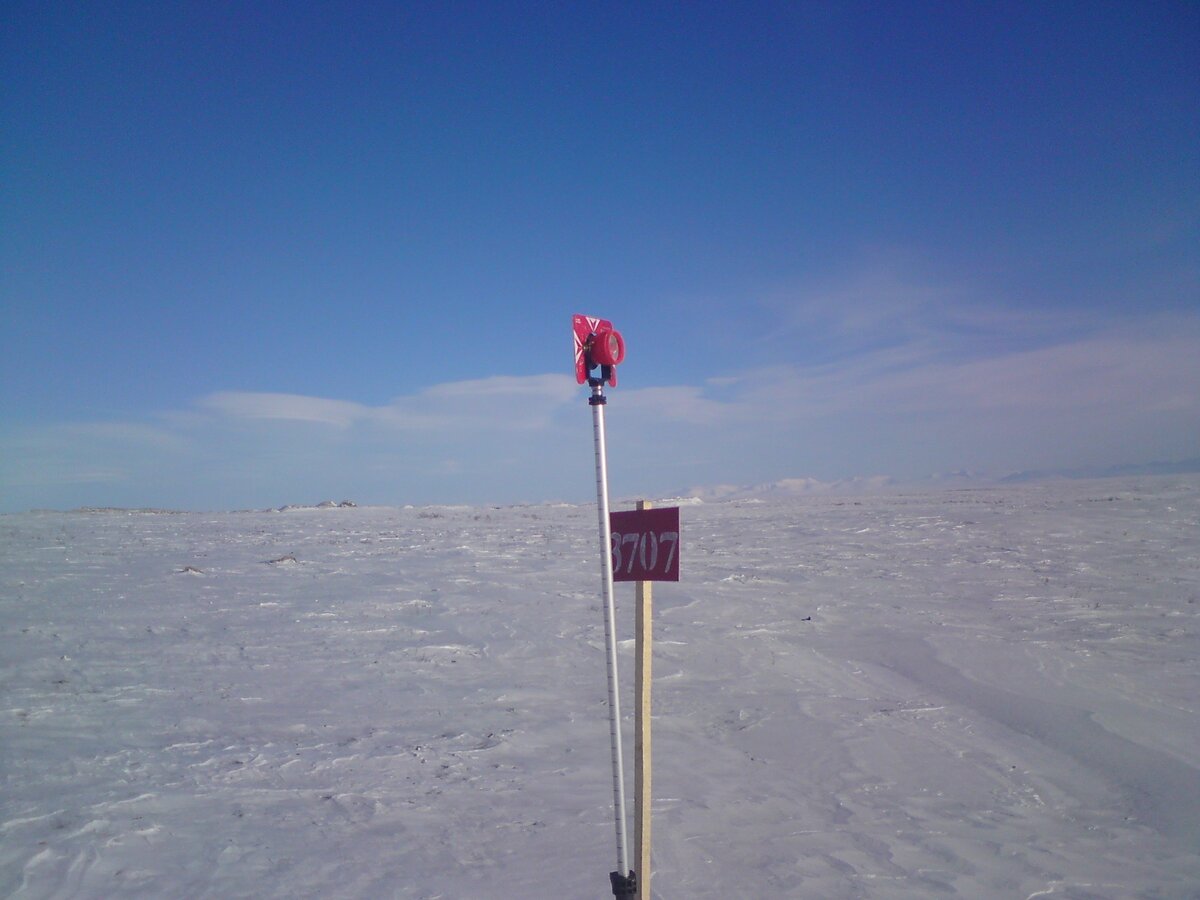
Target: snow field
pixel 975 693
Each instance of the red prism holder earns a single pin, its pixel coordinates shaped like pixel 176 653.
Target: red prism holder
pixel 597 343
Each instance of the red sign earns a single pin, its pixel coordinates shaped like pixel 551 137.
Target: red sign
pixel 645 544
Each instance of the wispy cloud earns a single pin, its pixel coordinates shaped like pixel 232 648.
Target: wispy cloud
pixel 287 407
pixel 498 402
pixel 82 453
pixel 1113 372
pixel 685 403
pixel 1119 371
pixel 887 300
pixel 874 301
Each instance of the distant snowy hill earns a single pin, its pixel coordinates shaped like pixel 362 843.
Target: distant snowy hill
pixel 791 487
pixel 798 487
pixel 1179 467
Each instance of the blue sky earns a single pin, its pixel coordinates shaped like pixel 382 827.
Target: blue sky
pixel 254 254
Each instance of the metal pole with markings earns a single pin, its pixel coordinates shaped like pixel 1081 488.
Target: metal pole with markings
pixel 597 402
pixel 599 345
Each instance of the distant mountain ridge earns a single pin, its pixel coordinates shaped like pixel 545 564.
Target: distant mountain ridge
pixel 792 487
pixel 1176 467
pixel 795 487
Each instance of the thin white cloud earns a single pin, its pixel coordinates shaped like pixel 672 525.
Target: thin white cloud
pixel 1116 373
pixel 887 301
pixel 116 433
pixel 543 388
pixel 65 455
pixel 686 403
pixel 498 402
pixel 484 405
pixel 288 407
pixel 874 300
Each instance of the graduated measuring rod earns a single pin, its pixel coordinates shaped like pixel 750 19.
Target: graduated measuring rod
pixel 640 546
pixel 599 346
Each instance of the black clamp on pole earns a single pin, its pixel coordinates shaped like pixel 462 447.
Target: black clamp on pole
pixel 597 386
pixel 624 885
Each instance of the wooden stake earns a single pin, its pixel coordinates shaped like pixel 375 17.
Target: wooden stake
pixel 641 777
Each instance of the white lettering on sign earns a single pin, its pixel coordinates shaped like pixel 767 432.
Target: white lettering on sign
pixel 645 545
pixel 641 552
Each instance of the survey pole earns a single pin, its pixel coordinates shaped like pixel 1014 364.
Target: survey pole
pixel 620 878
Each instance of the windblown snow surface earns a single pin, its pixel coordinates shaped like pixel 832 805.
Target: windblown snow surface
pixel 971 693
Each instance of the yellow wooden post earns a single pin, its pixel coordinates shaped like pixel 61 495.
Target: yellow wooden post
pixel 641 751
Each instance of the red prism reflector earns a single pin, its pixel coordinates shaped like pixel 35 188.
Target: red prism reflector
pixel 645 544
pixel 608 348
pixel 584 327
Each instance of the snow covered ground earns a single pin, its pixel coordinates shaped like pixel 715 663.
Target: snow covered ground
pixel 972 693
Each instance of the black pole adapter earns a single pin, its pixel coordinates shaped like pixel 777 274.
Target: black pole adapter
pixel 606 373
pixel 624 885
pixel 597 398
